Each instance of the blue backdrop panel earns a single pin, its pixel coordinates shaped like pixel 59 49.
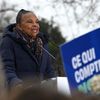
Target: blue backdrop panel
pixel 81 60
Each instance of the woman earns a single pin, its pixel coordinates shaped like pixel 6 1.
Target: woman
pixel 21 50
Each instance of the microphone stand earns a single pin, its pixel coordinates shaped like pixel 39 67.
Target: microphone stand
pixel 48 53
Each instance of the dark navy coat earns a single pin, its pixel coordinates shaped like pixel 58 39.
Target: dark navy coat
pixel 19 61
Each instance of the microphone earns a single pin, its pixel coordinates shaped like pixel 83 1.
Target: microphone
pixel 42 36
pixel 48 52
pixel 54 58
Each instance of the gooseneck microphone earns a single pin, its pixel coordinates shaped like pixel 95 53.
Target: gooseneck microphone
pixel 42 36
pixel 48 52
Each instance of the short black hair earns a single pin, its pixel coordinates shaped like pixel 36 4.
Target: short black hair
pixel 19 15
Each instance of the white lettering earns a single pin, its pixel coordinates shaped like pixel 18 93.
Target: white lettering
pixel 77 77
pixel 76 62
pixel 88 56
pixel 84 58
pixel 87 71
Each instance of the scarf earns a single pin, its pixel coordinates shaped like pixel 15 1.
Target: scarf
pixel 34 44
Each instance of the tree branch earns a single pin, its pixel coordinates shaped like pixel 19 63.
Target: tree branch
pixel 7 9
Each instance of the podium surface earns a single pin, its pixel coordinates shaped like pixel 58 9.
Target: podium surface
pixel 59 83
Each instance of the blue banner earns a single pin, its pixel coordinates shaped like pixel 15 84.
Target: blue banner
pixel 81 59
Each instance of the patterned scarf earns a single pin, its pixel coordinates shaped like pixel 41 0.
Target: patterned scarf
pixel 39 45
pixel 34 44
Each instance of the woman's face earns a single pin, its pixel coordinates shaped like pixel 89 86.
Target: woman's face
pixel 29 24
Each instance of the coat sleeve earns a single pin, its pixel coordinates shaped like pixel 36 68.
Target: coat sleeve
pixel 8 59
pixel 49 73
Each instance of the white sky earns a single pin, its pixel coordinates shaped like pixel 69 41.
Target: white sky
pixel 48 11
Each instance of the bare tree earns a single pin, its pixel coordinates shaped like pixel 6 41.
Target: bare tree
pixel 4 17
pixel 83 13
pixel 78 14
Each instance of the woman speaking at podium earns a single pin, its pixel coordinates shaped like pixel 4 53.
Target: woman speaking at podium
pixel 22 51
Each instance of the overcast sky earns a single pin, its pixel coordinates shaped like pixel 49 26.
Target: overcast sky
pixel 47 11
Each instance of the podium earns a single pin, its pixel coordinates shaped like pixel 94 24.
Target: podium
pixel 58 83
